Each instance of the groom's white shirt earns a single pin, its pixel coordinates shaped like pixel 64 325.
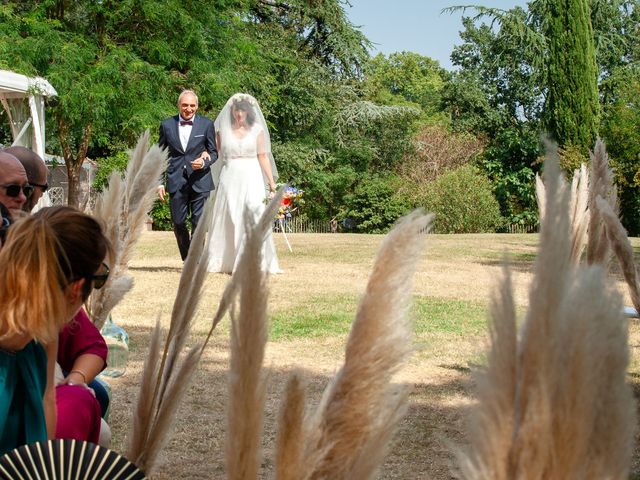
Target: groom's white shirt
pixel 185 132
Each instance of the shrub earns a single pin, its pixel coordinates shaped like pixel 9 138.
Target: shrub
pixel 571 157
pixel 463 202
pixel 107 165
pixel 161 215
pixel 375 205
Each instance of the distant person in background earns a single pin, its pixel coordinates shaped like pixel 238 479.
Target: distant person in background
pixel 14 185
pixel 36 171
pixel 191 143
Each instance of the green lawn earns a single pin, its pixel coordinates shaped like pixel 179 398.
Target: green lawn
pixel 332 316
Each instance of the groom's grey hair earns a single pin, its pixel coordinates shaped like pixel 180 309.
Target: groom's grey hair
pixel 187 92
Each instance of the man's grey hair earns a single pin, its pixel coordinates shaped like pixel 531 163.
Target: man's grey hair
pixel 187 92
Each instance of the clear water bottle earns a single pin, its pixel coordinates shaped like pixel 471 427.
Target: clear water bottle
pixel 118 343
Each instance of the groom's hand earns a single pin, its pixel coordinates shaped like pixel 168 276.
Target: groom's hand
pixel 161 192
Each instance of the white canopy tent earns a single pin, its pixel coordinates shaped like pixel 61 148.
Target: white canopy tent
pixel 23 101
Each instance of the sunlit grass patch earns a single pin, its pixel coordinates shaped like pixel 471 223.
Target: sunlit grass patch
pixel 458 317
pixel 318 317
pixel 332 316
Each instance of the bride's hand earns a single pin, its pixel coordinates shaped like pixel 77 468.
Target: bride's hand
pixel 200 162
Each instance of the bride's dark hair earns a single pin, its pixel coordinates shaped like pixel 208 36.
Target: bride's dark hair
pixel 246 107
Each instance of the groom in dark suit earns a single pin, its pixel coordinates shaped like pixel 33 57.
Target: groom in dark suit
pixel 191 143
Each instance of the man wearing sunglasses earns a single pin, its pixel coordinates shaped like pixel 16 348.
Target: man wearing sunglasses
pixel 36 171
pixel 14 186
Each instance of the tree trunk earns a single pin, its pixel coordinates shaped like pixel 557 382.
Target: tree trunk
pixel 73 162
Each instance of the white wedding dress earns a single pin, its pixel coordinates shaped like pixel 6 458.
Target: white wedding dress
pixel 241 186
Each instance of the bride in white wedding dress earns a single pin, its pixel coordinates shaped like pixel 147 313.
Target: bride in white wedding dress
pixel 247 173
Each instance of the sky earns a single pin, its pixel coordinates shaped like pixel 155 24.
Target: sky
pixel 415 25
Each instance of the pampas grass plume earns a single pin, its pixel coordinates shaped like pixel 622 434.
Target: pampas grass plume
pixel 144 402
pixel 291 433
pixel 360 404
pixel 166 379
pixel 601 186
pixel 553 402
pixel 166 413
pixel 123 207
pixel 622 248
pixel 579 213
pixel 248 341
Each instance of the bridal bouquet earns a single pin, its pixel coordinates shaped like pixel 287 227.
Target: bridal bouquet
pixel 292 201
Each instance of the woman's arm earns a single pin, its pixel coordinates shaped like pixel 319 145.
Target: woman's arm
pixel 49 400
pixel 206 155
pixel 85 368
pixel 265 163
pixel 78 339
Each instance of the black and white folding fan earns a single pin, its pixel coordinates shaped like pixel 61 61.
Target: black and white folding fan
pixel 66 459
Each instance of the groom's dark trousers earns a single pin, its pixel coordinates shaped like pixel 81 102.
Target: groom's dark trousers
pixel 188 188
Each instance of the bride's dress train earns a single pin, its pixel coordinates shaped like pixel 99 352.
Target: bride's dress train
pixel 241 186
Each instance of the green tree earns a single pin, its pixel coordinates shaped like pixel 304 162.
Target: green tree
pixel 406 78
pixel 621 131
pixel 573 111
pixel 323 30
pixel 498 95
pixel 500 90
pixel 117 66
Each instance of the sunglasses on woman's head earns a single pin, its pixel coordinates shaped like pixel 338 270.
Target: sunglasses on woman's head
pixel 13 190
pixel 99 279
pixel 44 187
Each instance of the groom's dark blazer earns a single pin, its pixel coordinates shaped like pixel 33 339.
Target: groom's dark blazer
pixel 179 171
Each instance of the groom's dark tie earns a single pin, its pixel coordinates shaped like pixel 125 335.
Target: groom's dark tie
pixel 186 122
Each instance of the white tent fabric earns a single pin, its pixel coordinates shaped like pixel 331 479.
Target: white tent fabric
pixel 23 101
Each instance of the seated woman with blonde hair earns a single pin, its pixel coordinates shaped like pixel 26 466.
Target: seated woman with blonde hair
pixel 48 264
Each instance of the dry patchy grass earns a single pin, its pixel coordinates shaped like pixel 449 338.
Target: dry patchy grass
pixel 311 306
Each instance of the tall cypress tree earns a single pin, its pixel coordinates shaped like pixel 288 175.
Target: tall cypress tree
pixel 573 108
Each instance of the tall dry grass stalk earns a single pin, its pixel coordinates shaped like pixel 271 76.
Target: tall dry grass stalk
pixel 612 235
pixel 553 402
pixel 619 241
pixel 123 207
pixel 165 379
pixel 248 340
pixel 578 207
pixel 348 434
pixel 598 251
pixel 579 212
pixel 291 434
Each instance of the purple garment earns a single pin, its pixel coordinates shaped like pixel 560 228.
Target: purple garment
pixel 78 411
pixel 78 337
